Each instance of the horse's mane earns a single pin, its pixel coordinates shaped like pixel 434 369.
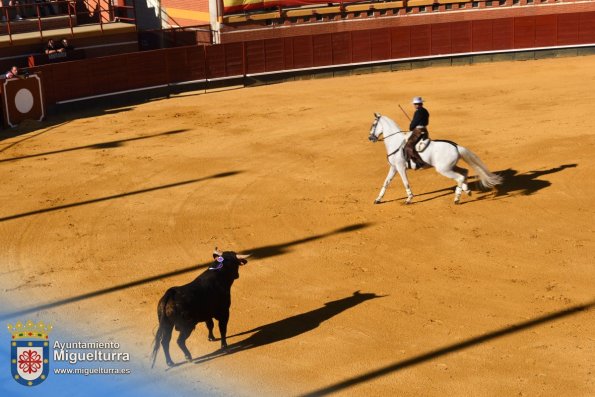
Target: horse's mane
pixel 392 125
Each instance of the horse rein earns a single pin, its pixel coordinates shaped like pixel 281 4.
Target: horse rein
pixel 383 136
pixel 396 151
pixel 389 135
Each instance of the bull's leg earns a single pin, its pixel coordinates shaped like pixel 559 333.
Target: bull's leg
pixel 167 330
pixel 184 334
pixel 210 325
pixel 223 329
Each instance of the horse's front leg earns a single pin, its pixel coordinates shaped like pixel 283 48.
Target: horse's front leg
pixel 403 172
pixel 391 174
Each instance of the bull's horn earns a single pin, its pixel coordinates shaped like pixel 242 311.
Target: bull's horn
pixel 243 256
pixel 216 252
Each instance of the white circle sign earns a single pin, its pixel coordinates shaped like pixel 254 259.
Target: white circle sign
pixel 23 100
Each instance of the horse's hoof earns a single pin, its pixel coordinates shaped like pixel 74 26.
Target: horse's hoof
pixel 457 201
pixel 468 192
pixel 212 339
pixel 189 358
pixel 170 363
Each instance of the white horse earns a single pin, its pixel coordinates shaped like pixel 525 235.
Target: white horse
pixel 442 155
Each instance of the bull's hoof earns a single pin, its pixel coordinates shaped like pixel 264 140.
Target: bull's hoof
pixel 212 339
pixel 377 201
pixel 223 346
pixel 170 363
pixel 188 358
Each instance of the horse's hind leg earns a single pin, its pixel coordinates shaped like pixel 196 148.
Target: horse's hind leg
pixel 459 178
pixel 465 173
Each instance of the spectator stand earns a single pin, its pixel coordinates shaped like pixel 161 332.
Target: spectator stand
pixel 97 26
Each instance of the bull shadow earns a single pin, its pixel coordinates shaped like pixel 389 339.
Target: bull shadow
pixel 289 327
pixel 257 252
pixel 97 146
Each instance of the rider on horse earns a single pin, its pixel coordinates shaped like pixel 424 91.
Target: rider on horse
pixel 418 128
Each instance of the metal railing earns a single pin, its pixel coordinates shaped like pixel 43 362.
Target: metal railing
pixel 79 12
pixel 154 39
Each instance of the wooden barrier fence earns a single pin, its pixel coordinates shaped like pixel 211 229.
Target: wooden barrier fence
pixel 87 78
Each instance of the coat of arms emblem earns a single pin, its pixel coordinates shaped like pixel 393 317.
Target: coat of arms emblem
pixel 29 352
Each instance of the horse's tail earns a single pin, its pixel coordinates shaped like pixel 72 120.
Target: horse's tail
pixel 162 319
pixel 487 178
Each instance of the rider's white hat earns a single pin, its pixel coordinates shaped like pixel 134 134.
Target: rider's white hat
pixel 417 99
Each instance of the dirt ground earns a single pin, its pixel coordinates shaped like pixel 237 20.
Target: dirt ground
pixel 101 214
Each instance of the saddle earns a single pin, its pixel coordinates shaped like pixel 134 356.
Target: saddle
pixel 422 145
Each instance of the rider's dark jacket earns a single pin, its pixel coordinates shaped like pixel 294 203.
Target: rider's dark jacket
pixel 420 117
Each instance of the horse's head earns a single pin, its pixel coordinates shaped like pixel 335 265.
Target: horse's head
pixel 376 128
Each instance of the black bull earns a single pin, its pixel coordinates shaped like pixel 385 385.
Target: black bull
pixel 206 298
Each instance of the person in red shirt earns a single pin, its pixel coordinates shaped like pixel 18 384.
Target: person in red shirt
pixel 12 73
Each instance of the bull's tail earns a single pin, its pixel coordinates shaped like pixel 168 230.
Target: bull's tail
pixel 162 323
pixel 487 178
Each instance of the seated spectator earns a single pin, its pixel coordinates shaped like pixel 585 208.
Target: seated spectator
pixel 51 48
pixel 12 73
pixel 44 8
pixel 56 7
pixel 64 46
pixel 11 3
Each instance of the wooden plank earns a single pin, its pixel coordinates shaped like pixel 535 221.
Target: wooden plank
pixel 264 16
pixel 374 6
pixel 322 45
pixel 341 48
pixel 327 10
pixel 255 57
pixel 357 7
pixel 387 5
pixel 545 30
pixel 235 18
pixel 274 50
pixel 299 12
pixel 524 32
pixel 417 3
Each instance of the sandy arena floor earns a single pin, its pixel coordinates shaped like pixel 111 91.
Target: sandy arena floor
pixel 100 215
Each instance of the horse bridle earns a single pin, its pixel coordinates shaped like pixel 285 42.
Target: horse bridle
pixel 374 138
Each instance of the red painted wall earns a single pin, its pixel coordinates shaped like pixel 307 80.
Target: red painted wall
pixel 151 68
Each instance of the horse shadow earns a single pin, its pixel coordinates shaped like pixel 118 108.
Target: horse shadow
pixel 515 183
pixel 289 327
pixel 524 184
